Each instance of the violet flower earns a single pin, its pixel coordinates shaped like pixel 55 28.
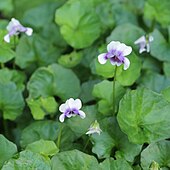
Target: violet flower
pixel 116 53
pixel 144 43
pixel 14 28
pixel 94 128
pixel 71 108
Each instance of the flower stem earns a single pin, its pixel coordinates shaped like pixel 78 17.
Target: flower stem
pixel 87 142
pixel 152 25
pixel 2 65
pixel 59 137
pixel 15 46
pixel 114 90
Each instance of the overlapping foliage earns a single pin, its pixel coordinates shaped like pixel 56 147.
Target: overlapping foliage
pixel 59 61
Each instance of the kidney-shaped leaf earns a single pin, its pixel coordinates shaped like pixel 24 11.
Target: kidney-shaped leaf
pixel 111 164
pixel 128 77
pixel 11 101
pixel 28 160
pixel 44 147
pixel 54 80
pixel 74 159
pixel 158 152
pixel 160 48
pixel 42 106
pixel 46 130
pixel 144 116
pixel 7 149
pixel 79 23
pixel 158 10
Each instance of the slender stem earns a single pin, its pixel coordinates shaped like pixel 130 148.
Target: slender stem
pixel 152 25
pixel 59 136
pixel 114 90
pixel 87 142
pixel 2 65
pixel 15 45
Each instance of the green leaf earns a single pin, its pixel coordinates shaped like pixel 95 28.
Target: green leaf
pixel 105 70
pixel 104 91
pixel 166 93
pixel 129 76
pixel 158 152
pixel 7 149
pixel 74 123
pixel 126 33
pixel 122 14
pixel 122 147
pixel 102 144
pixel 6 7
pixel 21 8
pixel 54 80
pixel 79 23
pixel 35 51
pixel 74 159
pixel 166 66
pixel 111 164
pixel 155 81
pixel 157 10
pixel 11 101
pixel 160 48
pixel 42 106
pixel 15 76
pixel 144 116
pixel 6 54
pixel 43 147
pixel 47 130
pixel 86 90
pixel 43 11
pixel 70 60
pixel 104 11
pixel 28 160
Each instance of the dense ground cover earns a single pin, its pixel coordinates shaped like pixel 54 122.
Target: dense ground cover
pixel 70 99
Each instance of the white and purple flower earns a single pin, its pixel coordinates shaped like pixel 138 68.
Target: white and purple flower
pixel 71 108
pixel 94 128
pixel 144 43
pixel 14 28
pixel 116 53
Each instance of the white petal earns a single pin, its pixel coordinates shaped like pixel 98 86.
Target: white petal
pixel 141 50
pixel 90 132
pixel 140 40
pixel 7 38
pixel 63 107
pixel 112 45
pixel 102 59
pixel 126 50
pixel 82 114
pixel 126 63
pixel 12 24
pixel 29 31
pixel 77 104
pixel 70 102
pixel 15 21
pixel 151 38
pixel 62 117
pixel 148 47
